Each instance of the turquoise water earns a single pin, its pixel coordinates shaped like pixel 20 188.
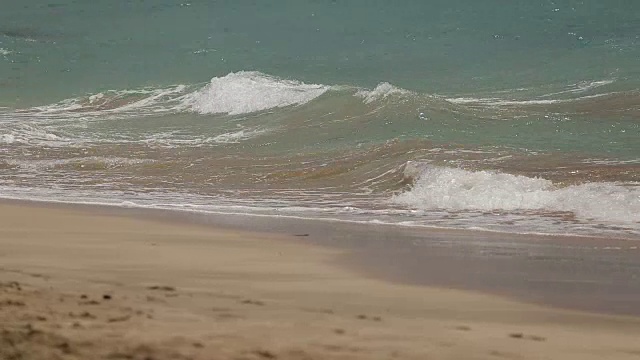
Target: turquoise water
pixel 351 110
pixel 66 48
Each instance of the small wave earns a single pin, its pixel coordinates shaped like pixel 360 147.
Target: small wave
pixel 250 91
pixel 234 94
pixel 5 52
pixel 455 189
pixel 246 92
pixel 382 91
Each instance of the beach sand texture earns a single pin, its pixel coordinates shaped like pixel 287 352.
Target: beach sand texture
pixel 83 285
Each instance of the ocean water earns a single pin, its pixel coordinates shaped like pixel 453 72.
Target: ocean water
pixel 513 116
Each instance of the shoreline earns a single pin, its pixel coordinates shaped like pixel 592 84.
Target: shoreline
pixel 223 219
pixel 549 266
pixel 80 284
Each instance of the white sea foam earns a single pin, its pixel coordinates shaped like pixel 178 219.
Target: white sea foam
pixel 459 190
pixel 111 102
pixel 236 136
pixel 502 102
pixel 250 91
pixel 508 102
pixel 5 52
pixel 382 91
pixel 582 86
pixel 611 161
pixel 493 101
pixel 171 139
pixel 588 85
pixel 498 102
pixel 29 134
pixel 79 162
pixel 7 138
pixel 578 88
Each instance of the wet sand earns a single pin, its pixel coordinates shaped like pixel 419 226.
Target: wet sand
pixel 78 283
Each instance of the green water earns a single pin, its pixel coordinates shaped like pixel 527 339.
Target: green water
pixel 65 48
pixel 437 113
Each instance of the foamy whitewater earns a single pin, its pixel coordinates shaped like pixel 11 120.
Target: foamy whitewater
pixel 454 189
pixel 247 92
pixel 410 115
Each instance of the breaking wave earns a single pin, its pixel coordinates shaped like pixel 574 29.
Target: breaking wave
pixel 382 91
pixel 246 92
pixel 249 91
pixel 455 189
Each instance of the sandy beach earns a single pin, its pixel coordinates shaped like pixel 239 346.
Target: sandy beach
pixel 77 284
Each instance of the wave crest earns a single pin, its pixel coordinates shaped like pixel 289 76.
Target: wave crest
pixel 250 91
pixel 461 190
pixel 382 91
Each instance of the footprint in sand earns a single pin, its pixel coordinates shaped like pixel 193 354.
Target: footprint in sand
pixel 265 354
pixel 9 302
pixel 527 337
pixel 463 328
pixel 119 318
pixel 14 285
pixel 89 302
pixel 252 302
pixel 162 288
pixel 372 318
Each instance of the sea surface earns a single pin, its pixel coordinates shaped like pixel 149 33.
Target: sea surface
pixel 511 116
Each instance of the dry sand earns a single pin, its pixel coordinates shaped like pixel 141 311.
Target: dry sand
pixel 80 285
